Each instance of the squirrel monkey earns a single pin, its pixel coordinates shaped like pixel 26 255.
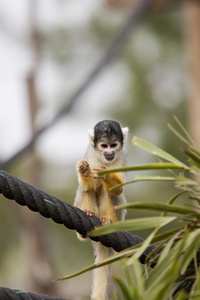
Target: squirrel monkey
pixel 106 149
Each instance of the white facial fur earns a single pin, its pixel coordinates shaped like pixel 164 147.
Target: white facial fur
pixel 109 150
pixel 125 131
pixel 91 136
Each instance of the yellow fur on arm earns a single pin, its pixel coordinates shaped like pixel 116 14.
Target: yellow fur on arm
pixel 113 179
pixel 86 183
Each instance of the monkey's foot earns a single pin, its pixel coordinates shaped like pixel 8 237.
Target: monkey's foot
pixel 89 213
pixel 105 220
pixel 83 168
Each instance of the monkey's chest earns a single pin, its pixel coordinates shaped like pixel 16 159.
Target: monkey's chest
pixel 101 194
pixel 98 187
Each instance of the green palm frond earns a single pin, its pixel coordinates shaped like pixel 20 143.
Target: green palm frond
pixel 176 258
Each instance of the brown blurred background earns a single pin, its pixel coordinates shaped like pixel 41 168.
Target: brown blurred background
pixel 47 49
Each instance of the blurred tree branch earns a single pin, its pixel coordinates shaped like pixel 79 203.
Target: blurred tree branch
pixel 112 51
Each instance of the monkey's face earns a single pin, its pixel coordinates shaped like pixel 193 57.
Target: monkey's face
pixel 109 150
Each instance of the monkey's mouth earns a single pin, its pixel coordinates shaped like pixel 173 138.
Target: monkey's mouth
pixel 109 157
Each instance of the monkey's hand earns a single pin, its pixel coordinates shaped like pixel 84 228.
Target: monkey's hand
pixel 94 173
pixel 83 168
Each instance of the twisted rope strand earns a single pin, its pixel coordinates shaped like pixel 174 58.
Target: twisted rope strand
pixel 63 213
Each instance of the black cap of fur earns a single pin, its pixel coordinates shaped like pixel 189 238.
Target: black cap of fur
pixel 108 131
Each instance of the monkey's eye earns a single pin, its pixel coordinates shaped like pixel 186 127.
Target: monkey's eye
pixel 113 145
pixel 104 146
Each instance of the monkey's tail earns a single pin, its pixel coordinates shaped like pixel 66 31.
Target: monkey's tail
pixel 101 276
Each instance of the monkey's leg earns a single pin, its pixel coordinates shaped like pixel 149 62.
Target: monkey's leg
pixel 101 276
pixel 107 212
pixel 89 203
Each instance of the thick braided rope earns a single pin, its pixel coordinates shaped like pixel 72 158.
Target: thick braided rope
pixel 9 294
pixel 63 213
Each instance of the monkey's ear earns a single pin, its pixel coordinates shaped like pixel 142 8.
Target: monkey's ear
pixel 125 131
pixel 91 136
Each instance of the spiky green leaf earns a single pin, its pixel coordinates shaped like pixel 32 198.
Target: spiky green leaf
pixel 159 206
pixel 142 144
pixel 133 225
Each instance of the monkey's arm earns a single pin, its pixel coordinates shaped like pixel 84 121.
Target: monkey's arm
pixel 85 180
pixel 85 197
pixel 113 179
pixel 109 199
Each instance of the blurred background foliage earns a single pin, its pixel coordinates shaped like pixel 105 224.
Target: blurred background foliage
pixel 143 88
